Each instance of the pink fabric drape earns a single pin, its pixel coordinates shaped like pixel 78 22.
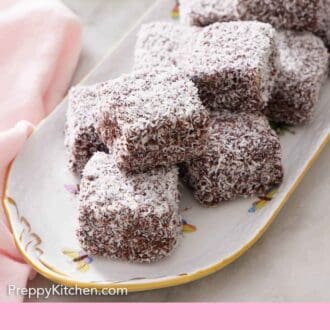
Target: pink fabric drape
pixel 39 49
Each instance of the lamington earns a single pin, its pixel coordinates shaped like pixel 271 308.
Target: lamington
pixel 303 70
pixel 206 12
pixel 162 44
pixel 299 15
pixel 243 158
pixel 232 64
pixel 81 139
pixel 152 118
pixel 324 30
pixel 129 217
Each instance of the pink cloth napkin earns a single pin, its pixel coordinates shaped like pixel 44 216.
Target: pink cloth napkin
pixel 39 50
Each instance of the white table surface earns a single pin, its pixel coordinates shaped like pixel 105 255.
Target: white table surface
pixel 290 262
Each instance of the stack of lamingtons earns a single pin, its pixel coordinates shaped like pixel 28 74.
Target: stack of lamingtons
pixel 196 107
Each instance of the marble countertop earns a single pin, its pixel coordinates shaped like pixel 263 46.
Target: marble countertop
pixel 289 263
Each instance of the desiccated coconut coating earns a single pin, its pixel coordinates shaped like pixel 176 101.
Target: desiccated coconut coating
pixel 206 12
pixel 324 31
pixel 301 15
pixel 303 68
pixel 243 158
pixel 81 139
pixel 298 15
pixel 134 217
pixel 161 44
pixel 234 65
pixel 152 119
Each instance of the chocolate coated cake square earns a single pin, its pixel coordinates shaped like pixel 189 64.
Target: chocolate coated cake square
pixel 162 44
pixel 300 15
pixel 206 12
pixel 128 217
pixel 81 139
pixel 243 158
pixel 152 118
pixel 234 65
pixel 303 68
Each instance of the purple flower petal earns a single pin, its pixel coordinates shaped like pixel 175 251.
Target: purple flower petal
pixel 72 189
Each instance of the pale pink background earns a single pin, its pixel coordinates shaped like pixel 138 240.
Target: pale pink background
pixel 166 317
